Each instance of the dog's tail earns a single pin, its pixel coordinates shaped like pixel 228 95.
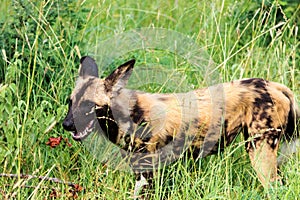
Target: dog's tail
pixel 291 143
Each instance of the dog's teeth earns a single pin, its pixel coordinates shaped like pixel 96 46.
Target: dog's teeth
pixel 73 134
pixel 89 128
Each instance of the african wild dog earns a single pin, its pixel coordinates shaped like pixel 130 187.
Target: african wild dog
pixel 263 111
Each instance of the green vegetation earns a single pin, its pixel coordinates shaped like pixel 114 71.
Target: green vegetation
pixel 41 43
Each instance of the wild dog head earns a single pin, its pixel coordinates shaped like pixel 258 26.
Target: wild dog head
pixel 90 100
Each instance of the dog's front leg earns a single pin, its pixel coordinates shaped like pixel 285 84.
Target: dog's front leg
pixel 142 184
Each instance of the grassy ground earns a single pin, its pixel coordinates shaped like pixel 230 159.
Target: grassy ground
pixel 41 44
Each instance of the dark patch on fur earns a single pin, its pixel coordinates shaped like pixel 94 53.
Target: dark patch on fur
pixel 260 83
pixel 163 99
pixel 269 122
pixel 107 123
pixel 246 136
pixel 291 121
pixel 263 103
pixel 230 134
pixel 260 91
pixel 257 82
pixel 137 114
pixel 169 139
pixel 247 81
pixel 194 152
pixel 258 126
pixel 272 138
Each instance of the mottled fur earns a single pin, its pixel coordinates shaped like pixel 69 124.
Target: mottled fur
pixel 265 112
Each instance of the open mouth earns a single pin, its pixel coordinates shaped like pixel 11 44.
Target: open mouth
pixel 84 133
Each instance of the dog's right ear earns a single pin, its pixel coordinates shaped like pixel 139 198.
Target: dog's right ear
pixel 119 78
pixel 88 67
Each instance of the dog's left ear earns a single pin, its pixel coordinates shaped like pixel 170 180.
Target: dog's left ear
pixel 119 78
pixel 88 67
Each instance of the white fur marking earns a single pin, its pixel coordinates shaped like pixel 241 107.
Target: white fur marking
pixel 138 186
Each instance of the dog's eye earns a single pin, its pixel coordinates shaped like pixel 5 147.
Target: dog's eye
pixel 89 107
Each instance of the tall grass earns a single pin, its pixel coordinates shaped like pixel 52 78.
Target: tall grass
pixel 41 43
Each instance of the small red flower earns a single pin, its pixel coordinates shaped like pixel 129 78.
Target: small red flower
pixel 53 142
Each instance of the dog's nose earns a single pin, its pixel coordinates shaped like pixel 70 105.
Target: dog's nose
pixel 68 122
pixel 68 125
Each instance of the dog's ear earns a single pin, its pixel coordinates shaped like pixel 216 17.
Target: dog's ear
pixel 119 78
pixel 88 67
